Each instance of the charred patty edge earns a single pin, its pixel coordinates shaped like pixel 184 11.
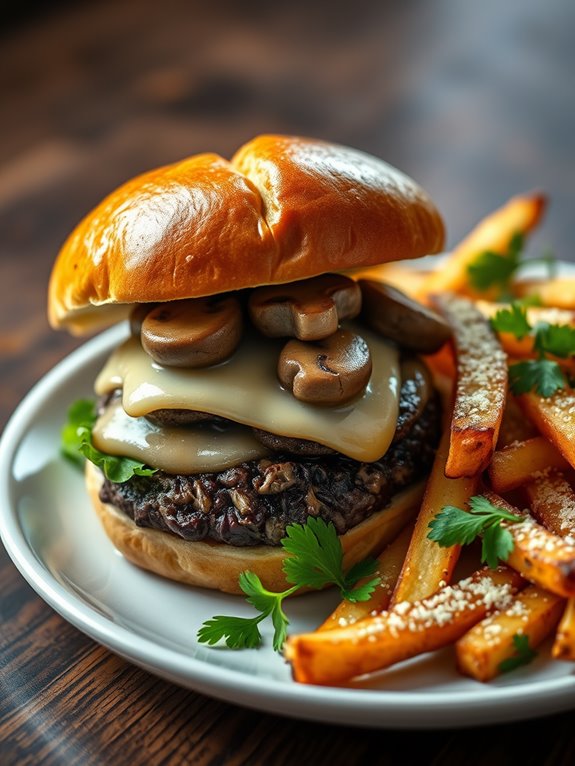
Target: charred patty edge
pixel 252 503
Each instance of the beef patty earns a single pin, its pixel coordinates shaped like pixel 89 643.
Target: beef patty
pixel 252 503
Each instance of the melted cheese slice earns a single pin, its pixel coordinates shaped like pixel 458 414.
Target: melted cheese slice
pixel 245 389
pixel 193 449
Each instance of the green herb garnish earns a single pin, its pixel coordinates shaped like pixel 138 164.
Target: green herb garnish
pixel 524 654
pixel 453 526
pixel 76 444
pixel 492 269
pixel 315 559
pixel 542 375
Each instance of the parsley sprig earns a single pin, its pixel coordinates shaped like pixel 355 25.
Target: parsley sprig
pixel 453 526
pixel 76 444
pixel 491 269
pixel 315 559
pixel 542 375
pixel 524 654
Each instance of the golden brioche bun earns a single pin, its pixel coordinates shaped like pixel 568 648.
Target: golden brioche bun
pixel 283 209
pixel 218 566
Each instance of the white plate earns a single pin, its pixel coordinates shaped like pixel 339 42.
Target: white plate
pixel 55 540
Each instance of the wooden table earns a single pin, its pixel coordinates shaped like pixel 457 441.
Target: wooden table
pixel 476 101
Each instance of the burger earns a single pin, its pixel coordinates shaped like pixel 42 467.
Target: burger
pixel 262 382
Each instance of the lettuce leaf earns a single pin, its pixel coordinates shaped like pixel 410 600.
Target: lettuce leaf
pixel 76 445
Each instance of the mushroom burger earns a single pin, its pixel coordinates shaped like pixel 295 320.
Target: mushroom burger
pixel 260 384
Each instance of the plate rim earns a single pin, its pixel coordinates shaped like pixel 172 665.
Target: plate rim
pixel 351 706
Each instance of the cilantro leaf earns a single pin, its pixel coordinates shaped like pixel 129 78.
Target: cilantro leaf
pixel 256 595
pixel 280 623
pixel 453 526
pixel 496 545
pixel 494 269
pixel 364 568
pixel 556 339
pixel 512 320
pixel 524 654
pixel 362 591
pixel 238 632
pixel 76 444
pixel 544 376
pixel 491 269
pixel 316 555
pixel 315 559
pixel 359 573
pixel 81 414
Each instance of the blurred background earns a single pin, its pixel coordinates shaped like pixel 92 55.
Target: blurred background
pixel 474 99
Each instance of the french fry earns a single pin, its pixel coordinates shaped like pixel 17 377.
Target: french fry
pixel 553 504
pixel 519 215
pixel 403 277
pixel 543 558
pixel 564 644
pixel 427 565
pixel 406 630
pixel 481 387
pixel 514 465
pixel 388 568
pixel 555 418
pixel 515 427
pixel 558 292
pixel 534 614
pixel 442 363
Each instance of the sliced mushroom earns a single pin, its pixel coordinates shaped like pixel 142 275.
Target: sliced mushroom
pixel 137 316
pixel 330 371
pixel 401 319
pixel 193 333
pixel 309 310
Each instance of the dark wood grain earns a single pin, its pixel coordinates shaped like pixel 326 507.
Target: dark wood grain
pixel 475 100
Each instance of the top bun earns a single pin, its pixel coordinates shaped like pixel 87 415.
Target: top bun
pixel 283 209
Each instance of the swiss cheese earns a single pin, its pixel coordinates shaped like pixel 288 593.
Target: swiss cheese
pixel 193 449
pixel 245 389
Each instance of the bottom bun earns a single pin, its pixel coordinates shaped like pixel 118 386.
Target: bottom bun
pixel 216 565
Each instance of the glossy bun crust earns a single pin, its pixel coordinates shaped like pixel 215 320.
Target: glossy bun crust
pixel 218 566
pixel 283 209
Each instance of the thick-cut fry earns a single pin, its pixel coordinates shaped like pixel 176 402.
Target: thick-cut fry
pixel 515 427
pixel 406 630
pixel 514 465
pixel 481 387
pixel 388 568
pixel 442 363
pixel 564 644
pixel 540 556
pixel 427 565
pixel 519 215
pixel 553 504
pixel 559 292
pixel 555 418
pixel 533 614
pixel 403 277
